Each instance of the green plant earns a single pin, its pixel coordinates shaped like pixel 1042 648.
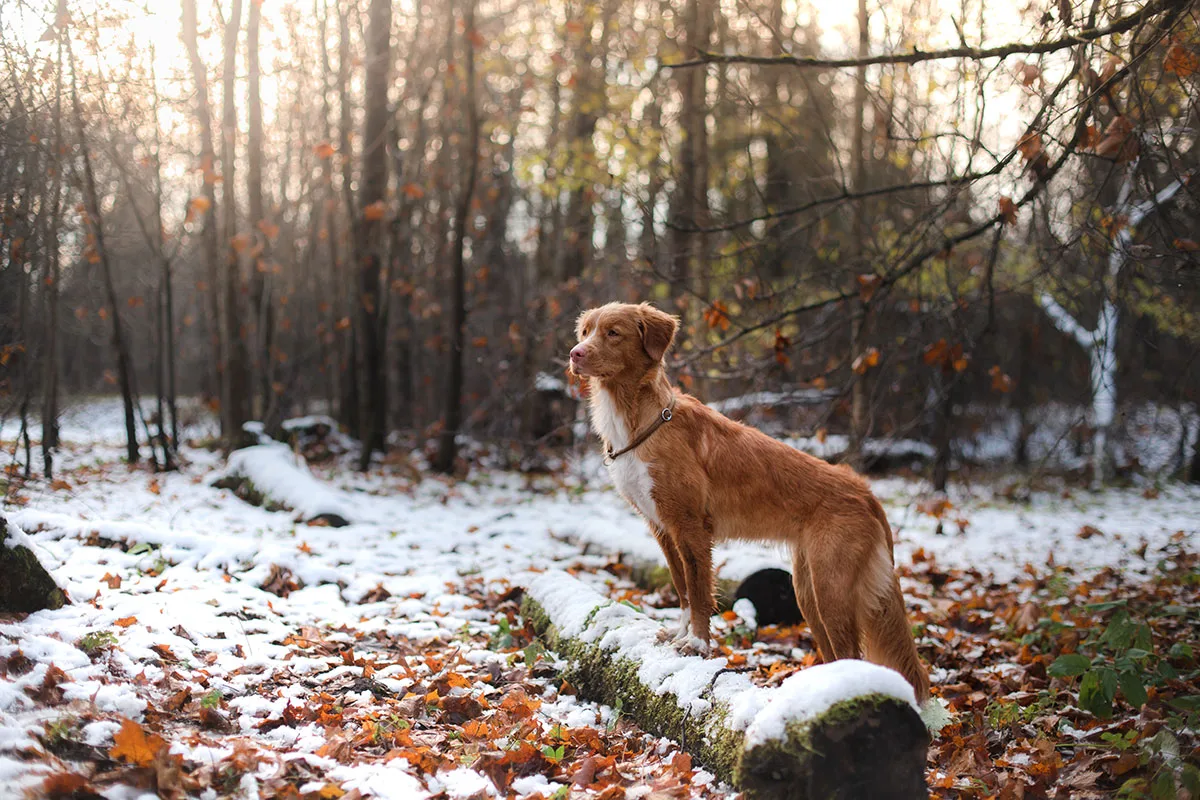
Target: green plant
pixel 212 699
pixel 1167 771
pixel 58 731
pixel 555 754
pixel 1123 659
pixel 502 639
pixel 1004 714
pixel 533 651
pixel 92 643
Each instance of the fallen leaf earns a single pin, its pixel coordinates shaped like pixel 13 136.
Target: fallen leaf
pixel 133 745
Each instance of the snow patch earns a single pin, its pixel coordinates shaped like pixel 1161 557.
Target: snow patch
pixel 284 477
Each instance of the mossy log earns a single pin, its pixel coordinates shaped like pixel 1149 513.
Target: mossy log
pixel 843 730
pixel 25 585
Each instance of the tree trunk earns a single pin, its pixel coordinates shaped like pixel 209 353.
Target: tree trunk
pixel 691 191
pixel 350 404
pixel 261 229
pixel 95 224
pixel 370 239
pixel 1101 344
pixel 860 391
pixel 235 393
pixel 1194 467
pixel 448 446
pixel 855 742
pixel 208 168
pixel 589 104
pixel 53 255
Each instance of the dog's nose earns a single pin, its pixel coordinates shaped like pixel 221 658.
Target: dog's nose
pixel 578 352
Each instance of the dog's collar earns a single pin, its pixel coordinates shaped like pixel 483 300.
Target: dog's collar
pixel 663 418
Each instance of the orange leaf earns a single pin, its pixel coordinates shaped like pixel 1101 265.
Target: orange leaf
pixel 67 784
pixel 240 242
pixel 1181 60
pixel 134 745
pixel 716 315
pixel 268 229
pixel 1000 381
pixel 413 190
pixel 200 204
pixel 867 284
pixel 1008 209
pixel 1118 141
pixel 324 150
pixel 374 212
pixel 1185 244
pixel 864 362
pixel 123 622
pixel 114 582
pixel 154 487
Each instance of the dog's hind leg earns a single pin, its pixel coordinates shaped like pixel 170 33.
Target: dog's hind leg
pixel 802 583
pixel 888 637
pixel 834 569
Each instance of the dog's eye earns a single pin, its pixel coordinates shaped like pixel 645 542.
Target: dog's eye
pixel 613 332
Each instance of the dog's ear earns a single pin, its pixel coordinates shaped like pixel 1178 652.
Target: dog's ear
pixel 658 330
pixel 584 322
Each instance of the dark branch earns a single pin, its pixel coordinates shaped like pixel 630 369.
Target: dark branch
pixel 1122 25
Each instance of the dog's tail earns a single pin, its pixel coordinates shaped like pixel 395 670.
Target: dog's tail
pixel 887 636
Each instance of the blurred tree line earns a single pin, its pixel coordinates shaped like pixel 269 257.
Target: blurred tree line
pixel 913 217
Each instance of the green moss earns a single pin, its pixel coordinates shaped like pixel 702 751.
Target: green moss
pixel 869 746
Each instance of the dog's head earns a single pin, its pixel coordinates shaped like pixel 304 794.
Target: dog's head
pixel 621 339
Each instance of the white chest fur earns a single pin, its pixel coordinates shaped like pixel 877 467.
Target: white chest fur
pixel 628 472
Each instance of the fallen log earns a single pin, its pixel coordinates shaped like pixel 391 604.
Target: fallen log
pixel 272 476
pixel 25 584
pixel 848 729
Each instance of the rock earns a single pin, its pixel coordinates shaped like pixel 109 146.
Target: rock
pixel 25 585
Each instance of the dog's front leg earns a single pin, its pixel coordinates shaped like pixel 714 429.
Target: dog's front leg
pixel 694 543
pixel 678 579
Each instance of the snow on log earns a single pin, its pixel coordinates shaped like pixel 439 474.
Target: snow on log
pixel 847 729
pixel 25 585
pixel 272 476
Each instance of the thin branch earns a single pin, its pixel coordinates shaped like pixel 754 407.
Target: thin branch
pixel 1122 25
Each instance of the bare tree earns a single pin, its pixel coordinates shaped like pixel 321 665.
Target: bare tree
pixel 370 240
pixel 235 386
pixel 448 445
pixel 208 207
pixel 99 254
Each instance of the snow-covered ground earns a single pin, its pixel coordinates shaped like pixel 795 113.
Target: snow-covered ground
pixel 180 604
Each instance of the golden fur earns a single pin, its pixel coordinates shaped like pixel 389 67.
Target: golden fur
pixel 703 478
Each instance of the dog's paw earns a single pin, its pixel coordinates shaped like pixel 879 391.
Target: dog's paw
pixel 685 628
pixel 664 636
pixel 693 646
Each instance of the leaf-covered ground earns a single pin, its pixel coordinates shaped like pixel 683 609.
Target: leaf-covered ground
pixel 219 649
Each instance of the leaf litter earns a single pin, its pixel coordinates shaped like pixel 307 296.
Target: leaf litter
pixel 236 650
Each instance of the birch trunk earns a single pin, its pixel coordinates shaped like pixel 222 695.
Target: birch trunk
pixel 1100 343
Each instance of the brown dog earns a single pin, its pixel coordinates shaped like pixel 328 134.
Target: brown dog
pixel 698 477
